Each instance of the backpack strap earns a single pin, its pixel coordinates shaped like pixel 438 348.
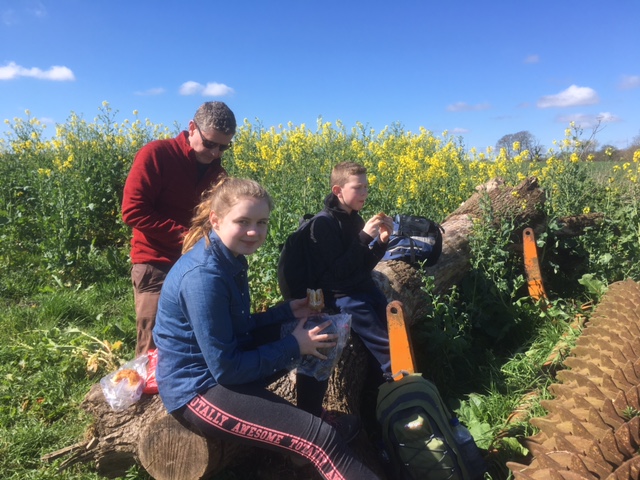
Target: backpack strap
pixel 334 222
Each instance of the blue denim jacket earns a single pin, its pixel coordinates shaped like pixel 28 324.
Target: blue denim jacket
pixel 203 327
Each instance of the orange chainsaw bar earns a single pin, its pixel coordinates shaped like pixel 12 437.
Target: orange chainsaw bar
pixel 532 266
pixel 399 342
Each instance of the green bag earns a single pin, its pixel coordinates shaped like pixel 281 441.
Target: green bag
pixel 417 432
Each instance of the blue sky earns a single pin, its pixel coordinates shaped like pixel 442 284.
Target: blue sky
pixel 479 69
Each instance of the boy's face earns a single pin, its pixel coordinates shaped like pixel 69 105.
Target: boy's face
pixel 352 194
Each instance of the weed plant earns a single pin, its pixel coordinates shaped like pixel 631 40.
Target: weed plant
pixel 67 309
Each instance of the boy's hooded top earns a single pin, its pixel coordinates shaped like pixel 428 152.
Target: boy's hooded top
pixel 347 259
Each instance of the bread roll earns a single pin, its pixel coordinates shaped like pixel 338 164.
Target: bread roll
pixel 129 375
pixel 316 299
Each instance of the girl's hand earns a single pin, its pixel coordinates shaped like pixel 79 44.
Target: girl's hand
pixel 300 308
pixel 310 341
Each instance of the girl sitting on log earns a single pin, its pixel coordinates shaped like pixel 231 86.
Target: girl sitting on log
pixel 215 358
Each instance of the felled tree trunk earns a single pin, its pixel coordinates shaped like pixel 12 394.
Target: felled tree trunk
pixel 493 202
pixel 146 435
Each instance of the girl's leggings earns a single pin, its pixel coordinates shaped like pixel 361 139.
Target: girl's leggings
pixel 249 413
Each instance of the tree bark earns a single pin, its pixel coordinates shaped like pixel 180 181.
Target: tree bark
pixel 493 202
pixel 147 435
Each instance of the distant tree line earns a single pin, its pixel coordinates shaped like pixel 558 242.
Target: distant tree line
pixel 536 152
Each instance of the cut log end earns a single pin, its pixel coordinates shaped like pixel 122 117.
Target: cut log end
pixel 169 450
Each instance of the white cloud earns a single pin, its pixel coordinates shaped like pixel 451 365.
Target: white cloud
pixel 9 17
pixel 629 81
pixel 571 97
pixel 150 92
pixel 61 74
pixel 588 120
pixel 217 90
pixel 55 73
pixel 459 131
pixel 465 107
pixel 607 117
pixel 532 59
pixel 190 88
pixel 37 9
pixel 208 90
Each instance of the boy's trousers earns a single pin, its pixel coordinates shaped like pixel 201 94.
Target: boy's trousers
pixel 368 312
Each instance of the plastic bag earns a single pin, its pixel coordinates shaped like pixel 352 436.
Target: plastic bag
pixel 123 393
pixel 313 366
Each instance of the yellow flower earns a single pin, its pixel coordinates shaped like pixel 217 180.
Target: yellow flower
pixel 586 210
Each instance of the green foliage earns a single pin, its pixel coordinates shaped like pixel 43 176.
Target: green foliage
pixel 61 197
pixel 48 362
pixel 67 309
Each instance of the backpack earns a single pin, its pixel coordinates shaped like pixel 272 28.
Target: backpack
pixel 418 433
pixel 414 240
pixel 295 274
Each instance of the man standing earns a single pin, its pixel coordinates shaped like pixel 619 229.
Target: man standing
pixel 164 186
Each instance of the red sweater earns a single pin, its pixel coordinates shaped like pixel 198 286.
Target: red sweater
pixel 160 195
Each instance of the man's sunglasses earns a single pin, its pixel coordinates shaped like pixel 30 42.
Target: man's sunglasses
pixel 209 145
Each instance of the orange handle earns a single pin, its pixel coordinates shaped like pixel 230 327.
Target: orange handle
pixel 531 265
pixel 399 342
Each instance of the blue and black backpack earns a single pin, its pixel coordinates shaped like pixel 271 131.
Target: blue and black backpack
pixel 415 240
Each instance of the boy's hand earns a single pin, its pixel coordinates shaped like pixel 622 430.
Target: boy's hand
pixel 386 228
pixel 379 225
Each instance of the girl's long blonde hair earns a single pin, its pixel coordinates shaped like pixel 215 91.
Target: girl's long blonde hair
pixel 220 199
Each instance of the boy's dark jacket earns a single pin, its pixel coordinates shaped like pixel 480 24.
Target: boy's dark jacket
pixel 344 254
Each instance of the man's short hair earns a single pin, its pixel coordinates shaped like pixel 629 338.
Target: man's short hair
pixel 215 116
pixel 342 171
